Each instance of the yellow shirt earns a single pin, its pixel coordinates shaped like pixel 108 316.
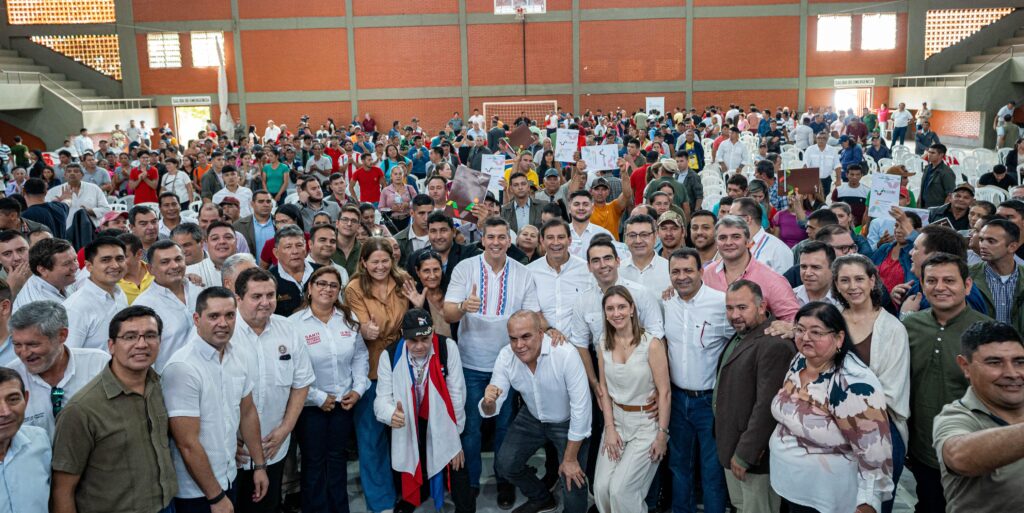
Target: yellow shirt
pixel 530 175
pixel 608 216
pixel 132 290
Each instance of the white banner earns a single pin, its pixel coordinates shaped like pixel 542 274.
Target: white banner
pixel 493 166
pixel 565 144
pixel 655 103
pixel 600 158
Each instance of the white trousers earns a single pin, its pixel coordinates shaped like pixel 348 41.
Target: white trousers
pixel 621 486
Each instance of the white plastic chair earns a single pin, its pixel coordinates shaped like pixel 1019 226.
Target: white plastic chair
pixel 957 154
pixel 118 207
pixel 872 165
pixel 1002 153
pixel 991 193
pixel 194 207
pixel 986 155
pixel 155 207
pixel 292 198
pixel 884 164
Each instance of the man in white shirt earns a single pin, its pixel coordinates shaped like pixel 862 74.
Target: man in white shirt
pixel 146 133
pixel 581 208
pixel 272 132
pixel 52 372
pixel 825 158
pixel 732 155
pixel 696 331
pixel 172 296
pixel 283 375
pixel 220 243
pixel 83 143
pixel 79 195
pixel 208 390
pixel 900 120
pixel 560 277
pixel 98 298
pixel 477 119
pixel 553 386
pixel 54 268
pixel 322 162
pixel 144 224
pixel 645 266
pixel 816 273
pixel 484 291
pixel 803 135
pixel 232 189
pixel 26 450
pixel 134 133
pixel 767 248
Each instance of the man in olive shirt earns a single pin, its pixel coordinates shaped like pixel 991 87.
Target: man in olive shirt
pixel 980 438
pixel 935 377
pixel 110 451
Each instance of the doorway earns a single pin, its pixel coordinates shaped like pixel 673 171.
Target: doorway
pixel 189 121
pixel 855 99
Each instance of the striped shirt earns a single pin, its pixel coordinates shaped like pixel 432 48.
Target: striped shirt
pixel 1002 292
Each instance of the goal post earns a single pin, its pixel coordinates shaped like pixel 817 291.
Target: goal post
pixel 508 112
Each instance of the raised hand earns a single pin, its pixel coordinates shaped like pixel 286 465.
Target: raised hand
pixel 370 329
pixel 491 395
pixel 398 418
pixel 472 303
pixel 414 297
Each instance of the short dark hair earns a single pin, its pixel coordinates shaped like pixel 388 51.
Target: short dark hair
pixel 7 374
pixel 219 224
pixel 705 213
pixel 191 229
pixel 250 275
pixel 815 246
pixel 322 226
pixel 421 200
pixel 581 192
pixel 985 332
pixel 139 209
pixel 825 233
pixel 748 206
pixel 941 258
pixel 35 186
pixel 9 235
pixel 133 312
pixel 209 293
pixel 824 217
pixel 440 217
pixel 642 219
pixel 93 247
pixel 602 240
pixel 491 222
pixel 554 223
pixel 939 147
pixel 686 252
pixel 1017 205
pixel 738 180
pixel 158 246
pixel 1011 228
pixel 989 207
pixel 754 288
pixel 42 254
pixel 10 206
pixel 942 239
pixel 168 194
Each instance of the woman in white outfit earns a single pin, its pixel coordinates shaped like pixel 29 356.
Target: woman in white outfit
pixel 633 364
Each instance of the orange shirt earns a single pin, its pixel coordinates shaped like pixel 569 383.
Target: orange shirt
pixel 387 312
pixel 608 216
pixel 201 170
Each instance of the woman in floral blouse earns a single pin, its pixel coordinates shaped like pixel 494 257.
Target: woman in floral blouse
pixel 831 451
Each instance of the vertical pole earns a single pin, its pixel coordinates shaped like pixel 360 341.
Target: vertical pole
pixel 524 54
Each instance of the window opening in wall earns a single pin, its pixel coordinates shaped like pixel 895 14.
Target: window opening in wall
pixel 834 33
pixel 878 31
pixel 100 52
pixel 207 48
pixel 164 49
pixel 947 27
pixel 55 12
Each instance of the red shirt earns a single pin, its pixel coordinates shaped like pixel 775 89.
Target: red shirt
pixel 143 192
pixel 638 180
pixel 369 183
pixel 334 154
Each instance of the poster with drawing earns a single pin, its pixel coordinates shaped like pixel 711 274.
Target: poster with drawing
pixel 469 187
pixel 885 194
pixel 600 158
pixel 655 103
pixel 566 141
pixel 494 167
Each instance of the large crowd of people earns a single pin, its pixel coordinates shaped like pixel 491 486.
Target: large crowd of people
pixel 219 324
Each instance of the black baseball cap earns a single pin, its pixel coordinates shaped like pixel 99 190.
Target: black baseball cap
pixel 416 323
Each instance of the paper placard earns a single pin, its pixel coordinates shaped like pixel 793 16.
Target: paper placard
pixel 494 167
pixel 921 212
pixel 655 103
pixel 565 144
pixel 600 158
pixel 885 194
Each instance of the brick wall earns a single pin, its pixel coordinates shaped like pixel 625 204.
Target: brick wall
pixel 966 125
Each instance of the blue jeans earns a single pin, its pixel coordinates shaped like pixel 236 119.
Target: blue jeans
pixel 899 135
pixel 525 436
pixel 374 454
pixel 322 437
pixel 169 508
pixel 899 455
pixel 476 382
pixel 692 426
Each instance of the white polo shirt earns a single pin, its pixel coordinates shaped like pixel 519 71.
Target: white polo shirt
pixel 771 251
pixel 560 290
pixel 654 276
pixel 557 391
pixel 281 363
pixel 827 160
pixel 83 365
pixel 90 310
pixel 36 289
pixel 733 155
pixel 588 315
pixel 198 383
pixel 696 331
pixel 581 241
pixel 483 333
pixel 337 353
pixel 207 272
pixel 179 327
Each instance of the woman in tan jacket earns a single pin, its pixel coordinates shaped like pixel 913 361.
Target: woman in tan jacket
pixel 375 295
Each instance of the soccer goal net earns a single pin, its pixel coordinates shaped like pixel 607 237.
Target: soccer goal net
pixel 508 112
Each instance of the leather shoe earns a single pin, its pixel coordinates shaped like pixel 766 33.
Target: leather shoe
pixel 506 495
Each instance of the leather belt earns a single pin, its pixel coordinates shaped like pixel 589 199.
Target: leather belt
pixel 694 394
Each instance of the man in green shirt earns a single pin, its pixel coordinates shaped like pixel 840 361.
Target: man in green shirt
pixel 870 119
pixel 979 439
pixel 19 152
pixel 935 377
pixel 110 450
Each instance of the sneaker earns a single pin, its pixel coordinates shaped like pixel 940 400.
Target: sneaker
pixel 541 506
pixel 506 495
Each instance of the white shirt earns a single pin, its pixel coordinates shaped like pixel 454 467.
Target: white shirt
pixel 557 391
pixel 207 272
pixel 482 334
pixel 176 183
pixel 654 277
pixel 341 270
pixel 307 271
pixel 198 383
pixel 179 327
pixel 271 133
pixel 89 195
pixel 588 314
pixel 134 134
pixel 25 472
pixel 36 289
pixel 165 232
pixel 385 404
pixel 803 298
pixel 82 144
pixel 827 160
pixel 338 354
pixel 581 241
pixel 697 332
pixel 803 136
pixel 733 155
pixel 242 194
pixel 560 289
pixel 902 118
pixel 83 365
pixel 771 251
pixel 90 310
pixel 281 364
pixel 478 119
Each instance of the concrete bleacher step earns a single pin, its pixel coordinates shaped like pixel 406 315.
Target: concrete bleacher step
pixel 1016 40
pixel 14 60
pixel 9 53
pixel 83 93
pixel 25 67
pixel 1002 48
pixel 969 68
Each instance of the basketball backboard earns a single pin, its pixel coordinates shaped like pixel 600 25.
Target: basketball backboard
pixel 520 6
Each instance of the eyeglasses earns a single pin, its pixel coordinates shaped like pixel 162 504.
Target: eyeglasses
pixel 348 220
pixel 57 399
pixel 815 334
pixel 149 337
pixel 845 249
pixel 640 235
pixel 327 284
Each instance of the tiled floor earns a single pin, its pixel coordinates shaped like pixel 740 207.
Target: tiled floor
pixel 486 503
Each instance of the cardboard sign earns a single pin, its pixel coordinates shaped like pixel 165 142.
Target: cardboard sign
pixel 520 138
pixel 805 180
pixel 494 167
pixel 566 141
pixel 469 188
pixel 600 158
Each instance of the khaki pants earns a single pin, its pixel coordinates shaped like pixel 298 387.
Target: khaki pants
pixel 621 486
pixel 753 495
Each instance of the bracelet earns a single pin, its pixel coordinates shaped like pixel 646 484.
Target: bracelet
pixel 261 466
pixel 460 307
pixel 220 496
pixel 663 430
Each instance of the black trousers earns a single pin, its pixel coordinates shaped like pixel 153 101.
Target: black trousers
pixel 271 502
pixel 929 488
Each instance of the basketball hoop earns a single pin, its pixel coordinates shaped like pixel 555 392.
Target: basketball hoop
pixel 520 13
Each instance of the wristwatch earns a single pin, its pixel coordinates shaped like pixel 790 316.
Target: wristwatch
pixel 261 466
